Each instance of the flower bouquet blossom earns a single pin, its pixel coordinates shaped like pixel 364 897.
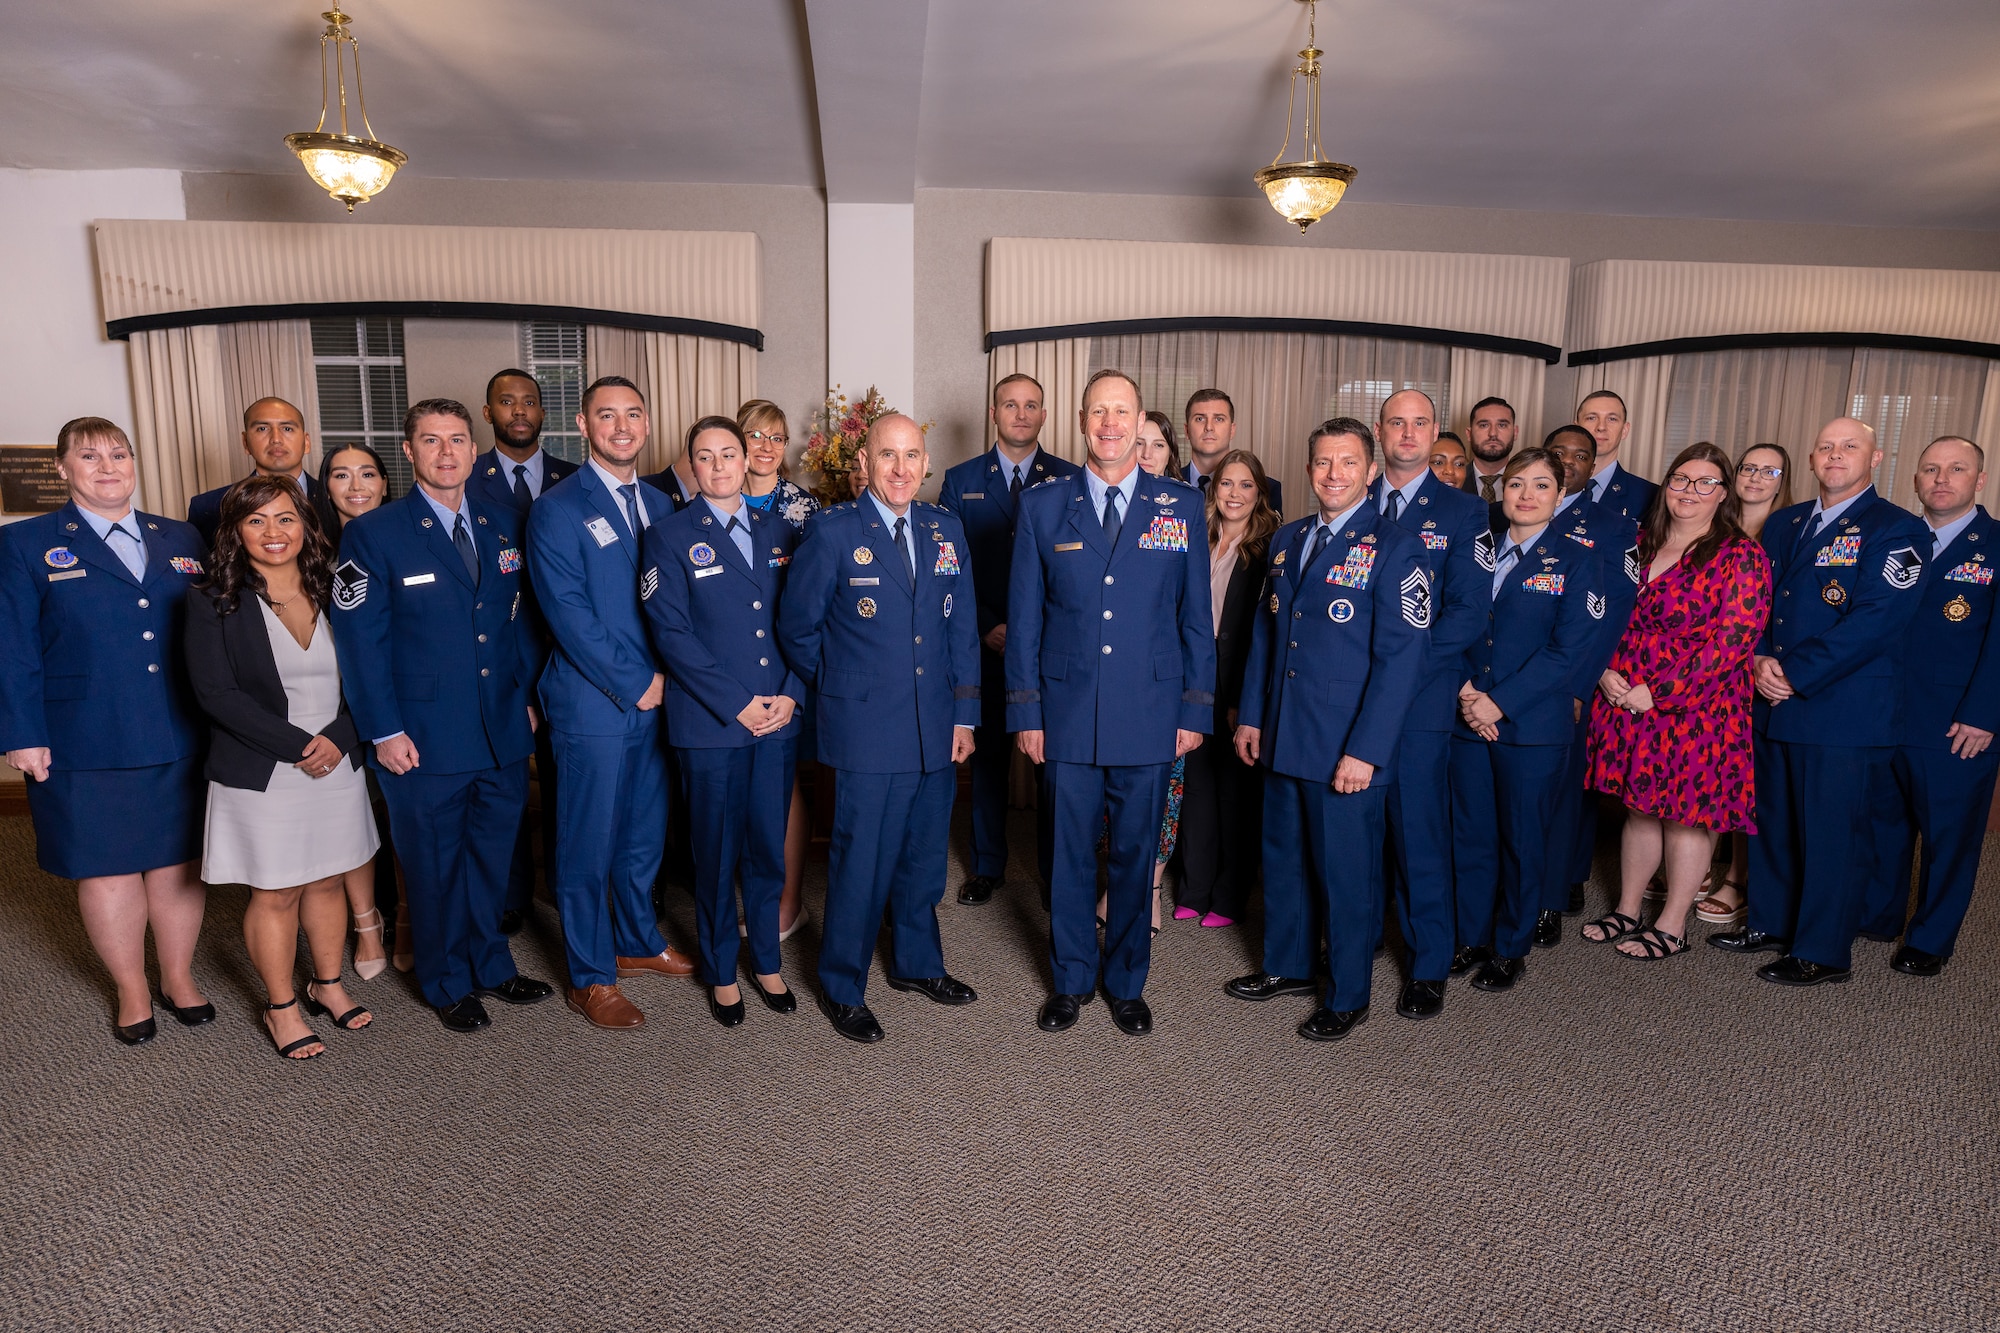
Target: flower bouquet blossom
pixel 838 430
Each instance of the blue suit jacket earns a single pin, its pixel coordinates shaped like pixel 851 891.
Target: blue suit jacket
pixel 1547 619
pixel 1338 652
pixel 1110 650
pixel 90 657
pixel 1839 606
pixel 205 511
pixel 715 622
pixel 426 650
pixel 585 573
pixel 895 660
pixel 1614 540
pixel 492 480
pixel 976 491
pixel 1447 522
pixel 1950 669
pixel 1627 494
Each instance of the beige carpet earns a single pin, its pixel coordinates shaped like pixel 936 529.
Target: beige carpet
pixel 1612 1146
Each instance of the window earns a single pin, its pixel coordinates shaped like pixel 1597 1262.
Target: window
pixel 363 390
pixel 554 354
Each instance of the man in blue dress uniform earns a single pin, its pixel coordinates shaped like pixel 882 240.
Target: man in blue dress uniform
pixel 1209 425
pixel 1336 661
pixel 1844 574
pixel 1613 490
pixel 601 695
pixel 985 493
pixel 274 435
pixel 877 614
pixel 426 621
pixel 1945 764
pixel 1447 523
pixel 1110 677
pixel 513 475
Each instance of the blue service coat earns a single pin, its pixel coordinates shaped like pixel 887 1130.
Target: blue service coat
pixel 1545 623
pixel 424 649
pixel 714 621
pixel 492 479
pixel 91 664
pixel 1110 650
pixel 1839 607
pixel 1627 494
pixel 585 574
pixel 1338 650
pixel 976 491
pixel 895 660
pixel 1950 660
pixel 1448 523
pixel 1614 540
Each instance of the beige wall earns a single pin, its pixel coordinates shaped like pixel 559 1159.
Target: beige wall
pixel 453 358
pixel 953 227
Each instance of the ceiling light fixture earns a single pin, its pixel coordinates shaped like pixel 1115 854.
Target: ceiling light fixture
pixel 1306 190
pixel 351 168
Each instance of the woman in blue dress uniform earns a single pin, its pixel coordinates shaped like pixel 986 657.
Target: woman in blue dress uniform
pixel 95 708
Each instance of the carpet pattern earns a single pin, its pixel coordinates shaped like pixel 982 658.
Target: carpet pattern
pixel 1611 1146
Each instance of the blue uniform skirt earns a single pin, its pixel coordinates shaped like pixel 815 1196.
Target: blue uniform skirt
pixel 91 822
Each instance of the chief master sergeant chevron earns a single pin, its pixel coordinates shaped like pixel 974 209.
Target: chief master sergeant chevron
pixel 1110 677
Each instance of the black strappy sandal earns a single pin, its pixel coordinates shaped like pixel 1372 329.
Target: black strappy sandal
pixel 1657 944
pixel 1616 926
pixel 309 1039
pixel 347 1021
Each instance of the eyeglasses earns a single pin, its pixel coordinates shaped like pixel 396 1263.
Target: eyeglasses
pixel 780 440
pixel 1702 486
pixel 1754 470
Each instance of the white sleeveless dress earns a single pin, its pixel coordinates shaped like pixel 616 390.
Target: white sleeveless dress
pixel 300 828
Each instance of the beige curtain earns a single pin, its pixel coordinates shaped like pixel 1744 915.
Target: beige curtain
pixel 1060 368
pixel 184 426
pixel 1646 385
pixel 1911 398
pixel 272 359
pixel 1988 438
pixel 683 379
pixel 1518 379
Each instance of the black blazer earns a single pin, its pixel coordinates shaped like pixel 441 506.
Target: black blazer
pixel 1232 641
pixel 236 681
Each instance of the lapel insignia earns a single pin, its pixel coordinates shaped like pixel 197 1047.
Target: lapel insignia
pixel 427 523
pixel 69 527
pixel 1957 609
pixel 482 520
pixel 864 556
pixel 154 527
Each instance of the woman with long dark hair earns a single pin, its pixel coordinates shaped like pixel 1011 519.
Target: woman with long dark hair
pixel 1670 726
pixel 287 803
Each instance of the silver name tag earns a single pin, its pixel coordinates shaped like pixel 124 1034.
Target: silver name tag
pixel 852 583
pixel 705 573
pixel 974 495
pixel 68 574
pixel 414 579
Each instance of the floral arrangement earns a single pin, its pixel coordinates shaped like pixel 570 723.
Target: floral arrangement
pixel 838 430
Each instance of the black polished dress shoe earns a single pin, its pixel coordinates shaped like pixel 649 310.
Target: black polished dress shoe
pixel 468 1015
pixel 136 1034
pixel 1133 1017
pixel 191 1015
pixel 1060 1012
pixel 1471 956
pixel 978 889
pixel 777 1001
pixel 852 1021
pixel 1917 963
pixel 1791 971
pixel 1421 999
pixel 519 990
pixel 1499 973
pixel 1575 900
pixel 943 990
pixel 1331 1024
pixel 729 1015
pixel 1747 940
pixel 1263 986
pixel 1548 930
pixel 511 921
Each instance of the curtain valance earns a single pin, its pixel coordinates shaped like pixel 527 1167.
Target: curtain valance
pixel 1628 308
pixel 1043 290
pixel 161 274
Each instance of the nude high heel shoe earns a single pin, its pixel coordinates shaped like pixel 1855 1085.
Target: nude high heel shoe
pixel 374 967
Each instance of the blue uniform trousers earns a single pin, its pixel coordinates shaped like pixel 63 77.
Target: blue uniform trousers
pixel 739 799
pixel 1573 833
pixel 1419 817
pixel 890 838
pixel 1814 848
pixel 1125 803
pixel 521 873
pixel 1945 799
pixel 454 837
pixel 1503 801
pixel 611 805
pixel 1323 862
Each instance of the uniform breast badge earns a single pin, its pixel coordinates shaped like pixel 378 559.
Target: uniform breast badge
pixel 701 555
pixel 1435 541
pixel 863 556
pixel 1971 572
pixel 947 606
pixel 1279 558
pixel 1353 572
pixel 59 557
pixel 1274 604
pixel 1165 534
pixel 1957 609
pixel 866 606
pixel 1833 595
pixel 1339 611
pixel 1548 583
pixel 947 559
pixel 1844 550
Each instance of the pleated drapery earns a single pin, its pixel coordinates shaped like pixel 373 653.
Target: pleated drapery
pixel 1518 379
pixel 1060 367
pixel 683 379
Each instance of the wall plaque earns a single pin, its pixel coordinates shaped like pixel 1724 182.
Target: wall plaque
pixel 28 480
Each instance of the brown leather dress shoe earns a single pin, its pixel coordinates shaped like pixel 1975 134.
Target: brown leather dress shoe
pixel 668 964
pixel 605 1006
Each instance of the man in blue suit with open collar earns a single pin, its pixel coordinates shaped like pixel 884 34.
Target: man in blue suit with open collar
pixel 1845 568
pixel 1110 677
pixel 1613 490
pixel 601 694
pixel 426 622
pixel 1447 522
pixel 877 614
pixel 1335 662
pixel 985 494
pixel 1944 766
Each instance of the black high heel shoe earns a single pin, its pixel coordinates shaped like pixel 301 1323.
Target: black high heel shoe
pixel 309 1039
pixel 729 1015
pixel 779 1002
pixel 190 1016
pixel 348 1021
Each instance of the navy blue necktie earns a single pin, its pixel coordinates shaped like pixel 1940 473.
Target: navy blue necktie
pixel 462 539
pixel 1321 536
pixel 522 496
pixel 630 495
pixel 1111 520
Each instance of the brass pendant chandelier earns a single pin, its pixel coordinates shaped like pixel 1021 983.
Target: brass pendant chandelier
pixel 352 168
pixel 1306 190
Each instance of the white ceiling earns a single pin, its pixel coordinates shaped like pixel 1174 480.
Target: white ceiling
pixel 1881 112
